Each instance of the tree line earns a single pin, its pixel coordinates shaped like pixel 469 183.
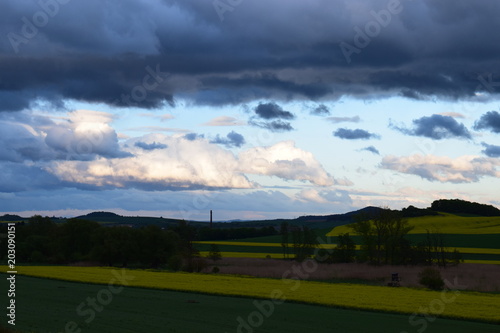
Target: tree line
pixel 384 240
pixel 297 242
pixel 457 206
pixel 41 240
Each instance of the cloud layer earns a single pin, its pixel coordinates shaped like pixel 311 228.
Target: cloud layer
pixel 148 54
pixel 255 64
pixel 83 151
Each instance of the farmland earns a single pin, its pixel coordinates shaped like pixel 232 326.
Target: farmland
pixel 477 238
pixel 252 268
pixel 48 305
pixel 468 305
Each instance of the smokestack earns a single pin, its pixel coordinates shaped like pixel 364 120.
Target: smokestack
pixel 210 219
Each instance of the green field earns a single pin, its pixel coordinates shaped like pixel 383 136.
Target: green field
pixel 46 305
pixel 468 305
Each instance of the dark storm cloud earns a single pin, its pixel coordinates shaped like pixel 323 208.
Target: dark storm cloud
pixel 491 150
pixel 232 139
pixel 150 146
pixel 321 110
pixel 263 84
pixel 372 150
pixel 356 134
pixel 490 121
pixel 436 127
pixel 125 82
pixel 145 54
pixel 272 111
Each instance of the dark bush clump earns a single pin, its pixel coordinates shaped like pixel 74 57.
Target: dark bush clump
pixel 431 278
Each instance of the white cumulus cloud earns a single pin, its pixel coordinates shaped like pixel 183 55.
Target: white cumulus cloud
pixel 191 164
pixel 464 169
pixel 285 161
pixel 183 164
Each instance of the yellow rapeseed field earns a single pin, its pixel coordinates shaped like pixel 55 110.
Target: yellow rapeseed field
pixel 475 250
pixel 239 243
pixel 489 262
pixel 236 243
pixel 323 246
pixel 244 254
pixel 466 305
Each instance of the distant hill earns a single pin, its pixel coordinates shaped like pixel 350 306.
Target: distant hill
pixel 457 206
pixel 99 215
pixel 12 218
pixel 312 221
pixel 453 206
pixel 368 212
pixel 135 221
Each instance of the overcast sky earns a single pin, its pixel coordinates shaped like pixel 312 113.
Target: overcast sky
pixel 254 109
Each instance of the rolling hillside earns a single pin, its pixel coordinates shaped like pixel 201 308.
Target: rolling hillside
pixel 444 223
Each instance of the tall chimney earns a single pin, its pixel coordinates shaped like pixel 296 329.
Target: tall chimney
pixel 210 219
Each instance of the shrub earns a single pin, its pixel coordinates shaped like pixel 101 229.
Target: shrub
pixel 215 270
pixel 431 278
